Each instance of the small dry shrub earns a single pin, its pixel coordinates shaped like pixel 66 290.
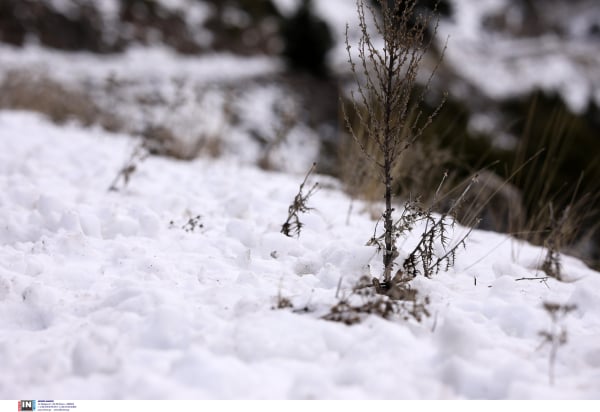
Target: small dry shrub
pixel 562 229
pixel 283 302
pixel 390 117
pixel 367 298
pixel 293 226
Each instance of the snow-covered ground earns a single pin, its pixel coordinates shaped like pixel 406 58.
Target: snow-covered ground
pixel 105 295
pixel 195 99
pixel 167 288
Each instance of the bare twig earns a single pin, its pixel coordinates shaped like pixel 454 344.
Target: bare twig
pixel 540 279
pixel 138 155
pixel 292 226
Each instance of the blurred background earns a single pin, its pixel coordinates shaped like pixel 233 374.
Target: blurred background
pixel 262 81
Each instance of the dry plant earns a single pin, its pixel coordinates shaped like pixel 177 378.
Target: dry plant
pixel 35 91
pixel 553 243
pixel 416 173
pixel 292 226
pixel 557 335
pixel 434 250
pixel 425 257
pixel 177 124
pixel 364 301
pixel 138 155
pixel 193 223
pixel 561 231
pixel 359 177
pixel 561 203
pixel 386 78
pixel 282 302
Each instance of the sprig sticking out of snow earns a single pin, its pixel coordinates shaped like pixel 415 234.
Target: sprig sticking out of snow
pixel 292 225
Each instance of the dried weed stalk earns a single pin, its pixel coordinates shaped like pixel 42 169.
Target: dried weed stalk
pixel 386 78
pixel 138 155
pixel 364 301
pixel 561 230
pixel 292 225
pixel 557 335
pixel 551 264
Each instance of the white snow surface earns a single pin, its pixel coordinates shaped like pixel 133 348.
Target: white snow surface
pixel 504 66
pixel 498 64
pixel 102 297
pixel 192 97
pixel 150 64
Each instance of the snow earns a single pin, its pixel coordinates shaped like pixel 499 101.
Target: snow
pixel 102 297
pixel 112 295
pixel 498 64
pixel 150 64
pixel 191 97
pixel 504 66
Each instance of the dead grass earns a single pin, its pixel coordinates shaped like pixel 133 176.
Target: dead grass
pixel 33 91
pixel 366 298
pixel 414 174
pixel 28 90
pixel 164 142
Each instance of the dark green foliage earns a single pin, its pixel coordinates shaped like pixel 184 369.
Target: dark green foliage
pixel 21 19
pixel 570 144
pixel 252 34
pixel 439 8
pixel 307 39
pixel 145 18
pixel 554 162
pixel 138 22
pixel 442 7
